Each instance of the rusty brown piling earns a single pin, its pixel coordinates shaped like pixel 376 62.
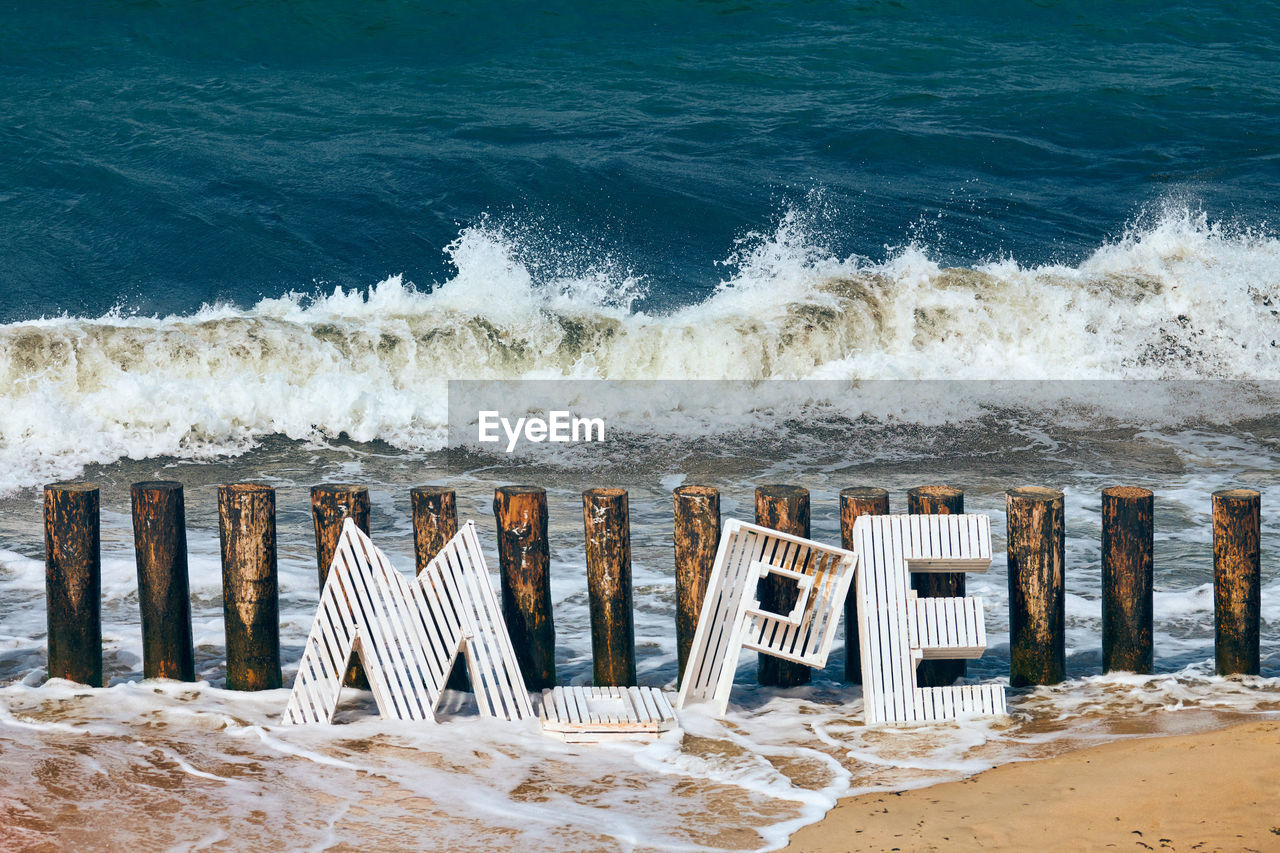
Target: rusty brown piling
pixel 524 556
pixel 331 505
pixel 856 501
pixel 786 509
pixel 697 538
pixel 1237 579
pixel 160 541
pixel 250 585
pixel 435 522
pixel 1037 596
pixel 606 520
pixel 937 500
pixel 73 582
pixel 1128 533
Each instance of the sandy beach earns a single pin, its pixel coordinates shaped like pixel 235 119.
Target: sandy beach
pixel 1217 790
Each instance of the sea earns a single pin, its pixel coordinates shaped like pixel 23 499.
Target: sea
pixel 823 244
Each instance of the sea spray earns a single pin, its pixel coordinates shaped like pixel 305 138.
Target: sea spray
pixel 1179 298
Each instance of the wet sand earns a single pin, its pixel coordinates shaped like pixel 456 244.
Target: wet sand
pixel 1217 790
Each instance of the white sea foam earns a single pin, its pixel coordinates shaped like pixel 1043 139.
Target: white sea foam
pixel 746 781
pixel 1180 297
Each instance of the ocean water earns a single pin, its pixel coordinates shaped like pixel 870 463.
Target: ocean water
pixel 986 245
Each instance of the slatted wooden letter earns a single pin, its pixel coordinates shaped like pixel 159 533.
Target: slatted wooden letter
pixel 897 630
pixel 732 618
pixel 408 633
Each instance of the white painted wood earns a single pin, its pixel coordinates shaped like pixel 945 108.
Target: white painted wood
pixel 594 714
pixel 732 619
pixel 897 629
pixel 407 634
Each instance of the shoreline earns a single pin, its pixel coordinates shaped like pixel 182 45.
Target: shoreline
pixel 1214 790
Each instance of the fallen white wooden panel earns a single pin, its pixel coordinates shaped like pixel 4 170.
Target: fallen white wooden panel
pixel 407 634
pixel 732 619
pixel 897 629
pixel 593 714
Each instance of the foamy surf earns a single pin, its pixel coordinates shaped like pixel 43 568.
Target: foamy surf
pixel 150 760
pixel 1178 298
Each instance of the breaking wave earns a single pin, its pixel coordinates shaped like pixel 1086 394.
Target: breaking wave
pixel 1176 296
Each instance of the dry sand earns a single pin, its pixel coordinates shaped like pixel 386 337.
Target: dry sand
pixel 1218 790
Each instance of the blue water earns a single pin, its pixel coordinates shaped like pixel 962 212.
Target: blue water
pixel 157 156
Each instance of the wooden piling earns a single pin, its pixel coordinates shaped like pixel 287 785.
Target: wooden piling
pixel 1037 597
pixel 435 522
pixel 1237 580
pixel 856 501
pixel 937 500
pixel 524 556
pixel 1128 534
pixel 160 541
pixel 605 518
pixel 697 538
pixel 73 582
pixel 784 508
pixel 331 504
pixel 250 585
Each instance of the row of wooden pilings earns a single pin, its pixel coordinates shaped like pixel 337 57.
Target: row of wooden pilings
pixel 1036 572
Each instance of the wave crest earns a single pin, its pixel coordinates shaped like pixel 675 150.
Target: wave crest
pixel 1175 297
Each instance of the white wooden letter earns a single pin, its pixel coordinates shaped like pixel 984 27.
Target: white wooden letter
pixel 896 630
pixel 407 634
pixel 732 619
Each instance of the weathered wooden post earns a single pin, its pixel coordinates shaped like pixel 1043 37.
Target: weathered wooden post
pixel 73 582
pixel 1037 597
pixel 786 509
pixel 435 522
pixel 331 504
pixel 606 519
pixel 524 556
pixel 697 538
pixel 856 501
pixel 1128 533
pixel 937 500
pixel 160 540
pixel 250 585
pixel 1237 580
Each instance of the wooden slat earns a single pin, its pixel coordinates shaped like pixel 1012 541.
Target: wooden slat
pixel 952 533
pixel 880 605
pixel 579 697
pixel 969 627
pixel 663 704
pixel 903 662
pixel 561 706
